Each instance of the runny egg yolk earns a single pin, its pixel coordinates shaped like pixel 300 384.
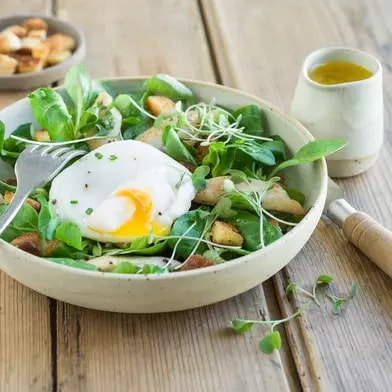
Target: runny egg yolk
pixel 140 223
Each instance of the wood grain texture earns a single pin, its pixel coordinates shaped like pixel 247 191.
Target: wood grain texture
pixel 183 351
pixel 25 339
pixel 374 240
pixel 260 48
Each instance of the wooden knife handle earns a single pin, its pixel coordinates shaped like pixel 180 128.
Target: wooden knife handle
pixel 374 240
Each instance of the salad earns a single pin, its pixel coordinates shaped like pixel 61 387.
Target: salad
pixel 169 183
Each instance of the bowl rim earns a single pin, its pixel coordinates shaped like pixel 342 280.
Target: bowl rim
pixel 79 51
pixel 217 267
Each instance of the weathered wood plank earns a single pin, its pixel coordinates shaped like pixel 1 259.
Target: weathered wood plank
pixel 192 350
pixel 25 339
pixel 260 49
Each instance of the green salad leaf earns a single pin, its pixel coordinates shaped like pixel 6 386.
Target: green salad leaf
pixel 70 234
pixel 250 119
pixel 175 148
pixel 73 263
pixel 168 86
pixel 311 152
pixel 25 221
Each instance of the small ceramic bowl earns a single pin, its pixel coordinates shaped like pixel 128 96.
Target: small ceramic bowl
pixel 30 80
pixel 187 289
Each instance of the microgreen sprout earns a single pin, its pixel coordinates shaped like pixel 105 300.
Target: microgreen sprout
pixel 337 302
pixel 320 281
pixel 272 341
pixel 213 124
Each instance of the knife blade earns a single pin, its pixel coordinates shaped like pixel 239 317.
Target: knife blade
pixel 374 240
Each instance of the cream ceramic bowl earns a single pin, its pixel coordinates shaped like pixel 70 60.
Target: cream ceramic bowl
pixel 180 290
pixel 30 80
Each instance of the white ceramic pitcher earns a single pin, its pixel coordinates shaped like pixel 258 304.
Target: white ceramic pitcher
pixel 352 111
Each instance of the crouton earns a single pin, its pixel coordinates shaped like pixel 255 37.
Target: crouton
pixel 37 34
pixel 35 24
pixel 19 31
pixel 8 196
pixel 201 152
pixel 57 56
pixel 60 42
pixel 158 105
pixel 42 136
pixel 41 51
pixel 196 262
pixel 31 243
pixel 28 63
pixel 8 64
pixel 28 44
pixel 9 42
pixel 226 234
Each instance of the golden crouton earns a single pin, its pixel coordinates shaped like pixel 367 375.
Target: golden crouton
pixel 35 24
pixel 8 196
pixel 226 234
pixel 28 44
pixel 41 51
pixel 42 136
pixel 37 34
pixel 31 243
pixel 9 42
pixel 57 56
pixel 60 42
pixel 29 64
pixel 157 105
pixel 8 64
pixel 19 31
pixel 196 262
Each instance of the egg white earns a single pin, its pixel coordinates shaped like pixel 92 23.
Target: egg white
pixel 87 192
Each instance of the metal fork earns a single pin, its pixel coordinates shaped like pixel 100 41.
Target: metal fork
pixel 35 166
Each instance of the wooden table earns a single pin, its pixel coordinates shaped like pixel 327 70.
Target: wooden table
pixel 257 46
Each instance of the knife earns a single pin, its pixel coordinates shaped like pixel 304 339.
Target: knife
pixel 374 240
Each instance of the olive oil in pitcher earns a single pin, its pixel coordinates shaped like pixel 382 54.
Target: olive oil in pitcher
pixel 337 72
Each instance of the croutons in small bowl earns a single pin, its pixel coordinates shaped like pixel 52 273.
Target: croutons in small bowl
pixel 37 50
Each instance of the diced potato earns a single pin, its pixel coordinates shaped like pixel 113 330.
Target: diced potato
pixel 57 56
pixel 19 31
pixel 226 234
pixel 8 64
pixel 9 42
pixel 158 105
pixel 35 24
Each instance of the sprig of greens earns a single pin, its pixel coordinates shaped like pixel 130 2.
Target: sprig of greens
pixel 320 281
pixel 272 341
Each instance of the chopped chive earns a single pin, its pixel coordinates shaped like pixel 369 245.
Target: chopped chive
pixel 74 202
pixel 89 211
pixel 113 157
pixel 98 155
